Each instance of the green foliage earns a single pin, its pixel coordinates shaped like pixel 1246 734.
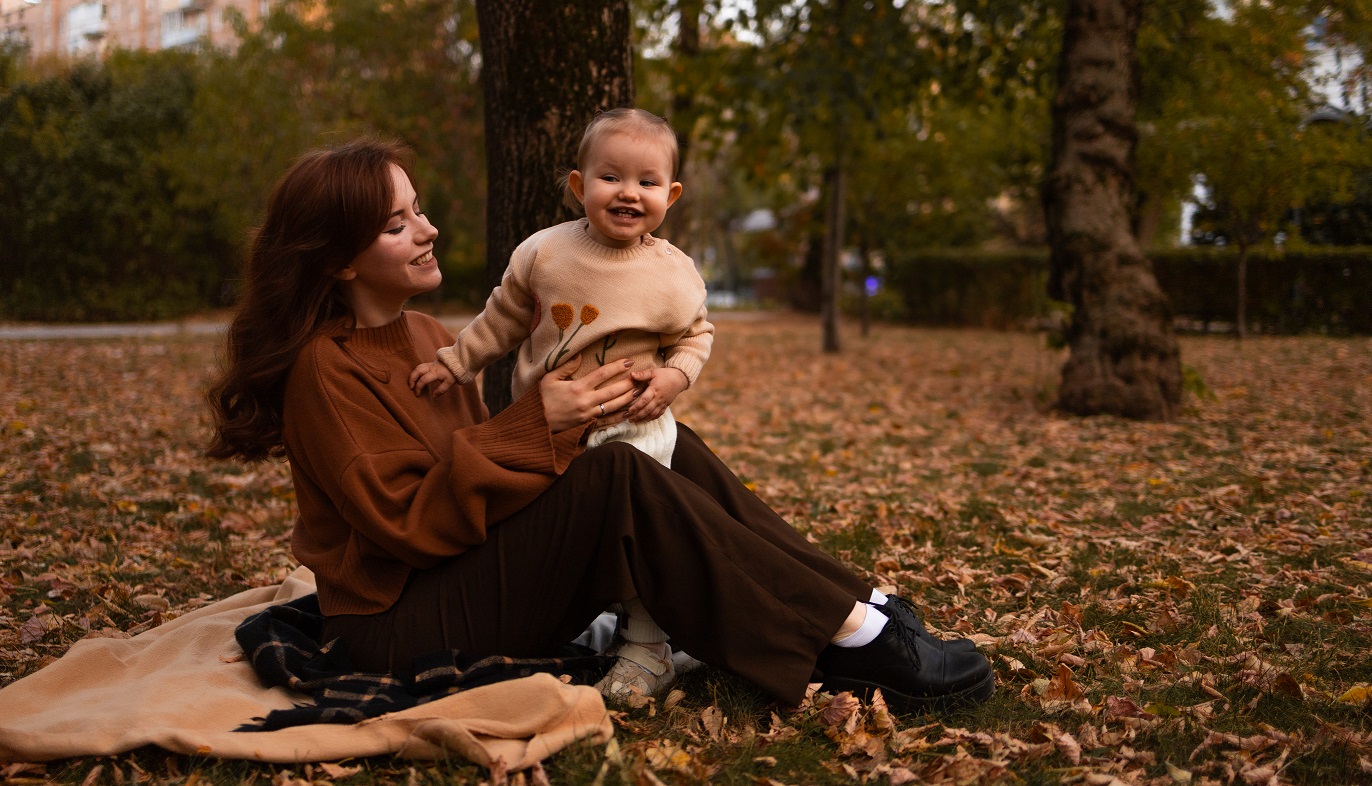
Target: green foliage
pixel 964 287
pixel 938 113
pixel 314 76
pixel 95 231
pixel 1295 291
pixel 137 180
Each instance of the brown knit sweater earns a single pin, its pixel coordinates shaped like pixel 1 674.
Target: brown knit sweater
pixel 387 481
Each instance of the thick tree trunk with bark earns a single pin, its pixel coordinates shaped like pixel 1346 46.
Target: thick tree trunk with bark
pixel 1124 358
pixel 547 67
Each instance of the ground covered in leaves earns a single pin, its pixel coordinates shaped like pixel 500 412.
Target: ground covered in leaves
pixel 1174 603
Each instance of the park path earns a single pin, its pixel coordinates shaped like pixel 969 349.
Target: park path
pixel 110 330
pixel 213 327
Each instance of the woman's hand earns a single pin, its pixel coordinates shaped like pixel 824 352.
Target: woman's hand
pixel 568 403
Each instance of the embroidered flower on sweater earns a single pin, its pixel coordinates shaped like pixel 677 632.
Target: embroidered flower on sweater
pixel 562 317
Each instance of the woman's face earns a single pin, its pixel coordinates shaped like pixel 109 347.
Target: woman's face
pixel 398 265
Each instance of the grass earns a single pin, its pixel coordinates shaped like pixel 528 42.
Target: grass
pixel 1191 595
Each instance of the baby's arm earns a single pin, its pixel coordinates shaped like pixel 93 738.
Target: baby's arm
pixel 685 360
pixel 489 336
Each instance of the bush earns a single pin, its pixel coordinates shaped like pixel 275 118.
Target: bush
pixel 93 229
pixel 993 289
pixel 1318 289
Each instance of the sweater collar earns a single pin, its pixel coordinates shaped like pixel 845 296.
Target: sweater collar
pixel 587 244
pixel 391 338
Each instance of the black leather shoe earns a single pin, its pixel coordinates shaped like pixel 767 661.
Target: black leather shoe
pixel 903 611
pixel 914 675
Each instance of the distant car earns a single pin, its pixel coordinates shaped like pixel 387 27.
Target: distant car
pixel 722 298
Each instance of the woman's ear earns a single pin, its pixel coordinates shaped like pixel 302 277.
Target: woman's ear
pixel 346 274
pixel 578 185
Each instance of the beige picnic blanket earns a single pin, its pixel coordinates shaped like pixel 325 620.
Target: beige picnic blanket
pixel 185 686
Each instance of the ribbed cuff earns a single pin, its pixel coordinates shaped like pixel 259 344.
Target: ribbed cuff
pixel 449 359
pixel 688 364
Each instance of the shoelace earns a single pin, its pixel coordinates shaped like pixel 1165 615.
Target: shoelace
pixel 907 640
pixel 907 606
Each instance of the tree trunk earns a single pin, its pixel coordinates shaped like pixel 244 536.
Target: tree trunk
pixel 864 306
pixel 541 86
pixel 831 274
pixel 1124 358
pixel 677 226
pixel 1241 317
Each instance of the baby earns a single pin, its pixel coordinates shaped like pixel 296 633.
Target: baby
pixel 602 286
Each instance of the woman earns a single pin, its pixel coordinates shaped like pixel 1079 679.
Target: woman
pixel 430 526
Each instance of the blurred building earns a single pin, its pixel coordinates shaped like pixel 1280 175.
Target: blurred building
pixel 74 28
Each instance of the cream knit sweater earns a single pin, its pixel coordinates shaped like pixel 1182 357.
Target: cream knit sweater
pixel 565 293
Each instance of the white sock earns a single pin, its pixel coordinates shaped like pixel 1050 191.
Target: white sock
pixel 639 627
pixel 878 599
pixel 867 632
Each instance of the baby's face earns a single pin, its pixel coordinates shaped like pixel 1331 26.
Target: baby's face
pixel 626 187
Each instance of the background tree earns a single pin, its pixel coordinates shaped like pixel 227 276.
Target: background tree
pixel 313 75
pixel 1124 359
pixel 809 101
pixel 547 67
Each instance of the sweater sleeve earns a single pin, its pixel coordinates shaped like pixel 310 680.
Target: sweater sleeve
pixel 396 496
pixel 692 349
pixel 501 325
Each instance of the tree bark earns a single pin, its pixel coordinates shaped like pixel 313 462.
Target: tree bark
pixel 686 52
pixel 1124 357
pixel 831 274
pixel 1241 315
pixel 547 67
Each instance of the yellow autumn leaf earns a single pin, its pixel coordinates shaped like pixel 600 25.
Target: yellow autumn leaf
pixel 1358 694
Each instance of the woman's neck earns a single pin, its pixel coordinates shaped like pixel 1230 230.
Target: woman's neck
pixel 370 312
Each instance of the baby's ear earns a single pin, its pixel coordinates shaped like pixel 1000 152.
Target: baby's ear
pixel 673 193
pixel 577 184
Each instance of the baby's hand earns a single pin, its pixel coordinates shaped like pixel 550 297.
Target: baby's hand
pixel 664 385
pixel 431 373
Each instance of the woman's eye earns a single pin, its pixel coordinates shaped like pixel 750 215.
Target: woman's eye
pixel 397 230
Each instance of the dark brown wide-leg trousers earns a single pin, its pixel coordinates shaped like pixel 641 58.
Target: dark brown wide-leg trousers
pixel 730 581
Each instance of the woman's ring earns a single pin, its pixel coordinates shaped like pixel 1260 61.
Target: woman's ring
pixel 602 410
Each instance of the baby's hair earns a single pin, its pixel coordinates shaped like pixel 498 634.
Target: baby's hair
pixel 637 121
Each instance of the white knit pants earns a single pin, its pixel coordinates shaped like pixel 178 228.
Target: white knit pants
pixel 657 437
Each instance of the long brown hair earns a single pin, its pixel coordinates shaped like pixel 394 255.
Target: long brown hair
pixel 329 206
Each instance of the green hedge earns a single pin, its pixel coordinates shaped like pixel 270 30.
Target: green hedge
pixel 1317 289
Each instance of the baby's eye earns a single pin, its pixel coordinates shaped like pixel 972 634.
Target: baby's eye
pixel 609 178
pixel 647 183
